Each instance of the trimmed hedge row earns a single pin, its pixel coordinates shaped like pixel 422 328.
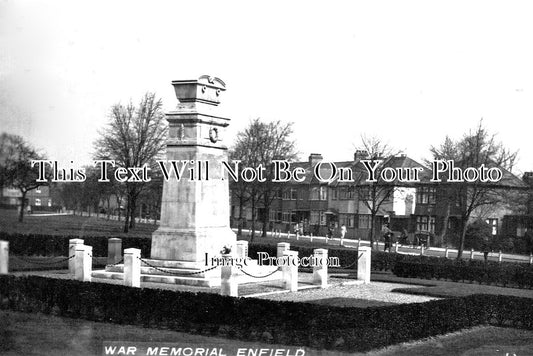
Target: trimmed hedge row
pixel 302 324
pixel 55 245
pixel 504 274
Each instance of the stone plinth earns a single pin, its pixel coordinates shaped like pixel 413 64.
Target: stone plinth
pixel 363 264
pixel 195 210
pixel 4 257
pixel 72 243
pixel 320 269
pixel 83 262
pixel 114 251
pixel 132 267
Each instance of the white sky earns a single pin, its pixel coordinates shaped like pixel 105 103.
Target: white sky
pixel 408 71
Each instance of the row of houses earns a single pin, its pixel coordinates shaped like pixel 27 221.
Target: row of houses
pixel 422 206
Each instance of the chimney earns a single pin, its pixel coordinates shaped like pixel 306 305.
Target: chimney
pixel 359 155
pixel 528 178
pixel 314 158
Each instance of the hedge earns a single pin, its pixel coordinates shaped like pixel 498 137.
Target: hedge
pixel 55 245
pixel 290 323
pixel 503 274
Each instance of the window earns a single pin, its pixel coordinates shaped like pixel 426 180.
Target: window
pixel 322 218
pixel 425 223
pixel 314 193
pixel 286 217
pixel 521 230
pixel 425 195
pixel 493 223
pixel 364 221
pixel 38 190
pixel 365 193
pixel 294 194
pixel 37 202
pixel 347 193
pixel 346 219
pixel 314 218
pixel 323 193
pixel 334 193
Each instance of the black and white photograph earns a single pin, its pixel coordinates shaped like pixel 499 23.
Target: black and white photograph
pixel 253 178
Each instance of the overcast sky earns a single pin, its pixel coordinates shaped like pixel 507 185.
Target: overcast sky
pixel 410 72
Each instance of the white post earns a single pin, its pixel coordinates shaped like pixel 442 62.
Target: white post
pixel 311 237
pixel 290 270
pixel 72 243
pixel 358 243
pixel 446 252
pixel 242 249
pixel 363 264
pixel 132 267
pixel 83 262
pixel 500 256
pixel 530 258
pixel 472 254
pixel 228 284
pixel 320 267
pixel 421 250
pixel 114 251
pixel 282 247
pixel 4 257
pixel 396 247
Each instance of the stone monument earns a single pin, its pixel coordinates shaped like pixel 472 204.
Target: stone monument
pixel 194 209
pixel 195 212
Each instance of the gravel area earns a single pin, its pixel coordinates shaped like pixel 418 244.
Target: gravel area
pixel 341 295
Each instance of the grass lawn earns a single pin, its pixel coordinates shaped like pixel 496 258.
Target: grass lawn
pixel 37 334
pixel 69 225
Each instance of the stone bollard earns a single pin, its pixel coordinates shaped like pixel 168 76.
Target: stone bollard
pixel 72 243
pixel 290 270
pixel 471 254
pixel 320 267
pixel 83 262
pixel 132 267
pixel 242 249
pixel 446 252
pixel 500 256
pixel 282 247
pixel 114 251
pixel 363 264
pixel 228 283
pixel 4 257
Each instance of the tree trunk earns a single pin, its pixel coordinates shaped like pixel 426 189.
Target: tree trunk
pixel 253 221
pixel 133 201
pixel 127 216
pixel 265 222
pixel 440 237
pixel 22 206
pixel 461 247
pixel 239 227
pixel 372 226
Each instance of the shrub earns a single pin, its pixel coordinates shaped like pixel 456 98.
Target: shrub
pixel 293 323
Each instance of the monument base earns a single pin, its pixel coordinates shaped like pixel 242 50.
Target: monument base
pixel 191 245
pixel 188 273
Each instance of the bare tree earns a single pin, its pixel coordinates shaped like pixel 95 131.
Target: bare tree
pixel 373 194
pixel 472 150
pixel 133 137
pixel 258 145
pixel 15 167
